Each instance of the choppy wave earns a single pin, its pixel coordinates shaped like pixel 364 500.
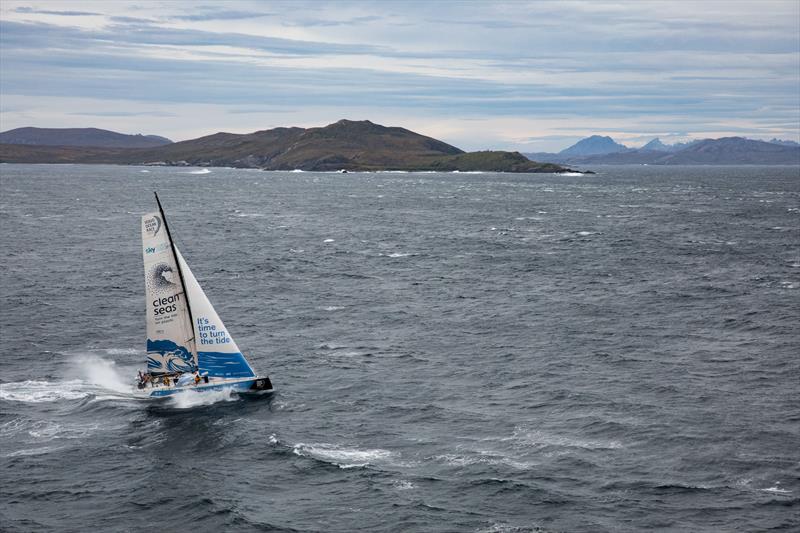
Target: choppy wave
pixel 483 458
pixel 776 490
pixel 535 437
pixel 27 452
pixel 342 456
pixel 46 430
pixel 45 391
pixel 500 381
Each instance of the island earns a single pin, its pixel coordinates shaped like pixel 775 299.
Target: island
pixel 346 145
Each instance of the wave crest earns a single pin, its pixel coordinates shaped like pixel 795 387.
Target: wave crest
pixel 341 456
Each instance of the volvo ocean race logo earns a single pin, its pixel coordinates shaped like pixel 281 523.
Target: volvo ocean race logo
pixel 162 278
pixel 152 225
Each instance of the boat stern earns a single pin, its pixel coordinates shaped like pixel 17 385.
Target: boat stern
pixel 261 385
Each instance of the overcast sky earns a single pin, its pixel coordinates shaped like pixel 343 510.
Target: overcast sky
pixel 529 76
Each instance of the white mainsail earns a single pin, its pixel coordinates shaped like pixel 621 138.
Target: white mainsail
pixel 170 336
pixel 217 352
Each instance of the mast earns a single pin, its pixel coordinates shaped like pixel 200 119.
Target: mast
pixel 180 275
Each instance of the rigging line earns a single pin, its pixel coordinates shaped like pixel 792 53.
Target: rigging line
pixel 180 275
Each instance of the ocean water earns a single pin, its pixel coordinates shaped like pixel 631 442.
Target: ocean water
pixel 452 352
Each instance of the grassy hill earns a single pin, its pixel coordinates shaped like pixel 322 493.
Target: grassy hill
pixel 348 145
pixel 86 137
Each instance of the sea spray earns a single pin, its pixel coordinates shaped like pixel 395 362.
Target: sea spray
pixel 189 399
pixel 102 373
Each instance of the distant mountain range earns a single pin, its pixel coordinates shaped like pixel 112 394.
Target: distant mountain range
pixel 725 151
pixel 784 143
pixel 657 146
pixel 80 137
pixel 344 145
pixel 592 146
pixel 363 145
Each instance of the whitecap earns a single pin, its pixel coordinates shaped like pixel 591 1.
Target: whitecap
pixel 329 240
pixel 398 254
pixel 341 456
pixel 776 490
pixel 13 426
pixel 350 353
pixel 570 173
pixel 45 430
pixel 201 171
pixel 33 451
pixel 482 457
pixel 500 527
pixel 540 438
pixel 43 391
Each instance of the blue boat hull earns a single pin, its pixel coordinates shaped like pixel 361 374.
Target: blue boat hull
pixel 252 386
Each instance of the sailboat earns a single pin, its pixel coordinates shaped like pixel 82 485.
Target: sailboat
pixel 188 347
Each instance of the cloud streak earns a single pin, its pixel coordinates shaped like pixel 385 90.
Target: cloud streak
pixel 517 70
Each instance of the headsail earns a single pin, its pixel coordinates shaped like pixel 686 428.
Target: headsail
pixel 170 336
pixel 217 352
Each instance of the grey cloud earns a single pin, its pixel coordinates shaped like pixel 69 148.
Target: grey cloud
pixel 221 15
pixel 596 60
pixel 31 10
pixel 311 22
pixel 123 114
pixel 19 35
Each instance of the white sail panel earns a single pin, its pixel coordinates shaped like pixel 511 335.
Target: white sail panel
pixel 217 352
pixel 170 337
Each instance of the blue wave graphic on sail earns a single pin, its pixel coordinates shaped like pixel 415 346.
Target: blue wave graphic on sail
pixel 166 356
pixel 227 365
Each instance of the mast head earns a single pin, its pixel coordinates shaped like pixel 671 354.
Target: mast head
pixel 159 203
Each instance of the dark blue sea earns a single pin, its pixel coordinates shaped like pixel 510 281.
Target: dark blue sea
pixel 451 352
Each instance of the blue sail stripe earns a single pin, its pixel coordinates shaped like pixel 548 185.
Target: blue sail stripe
pixel 226 365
